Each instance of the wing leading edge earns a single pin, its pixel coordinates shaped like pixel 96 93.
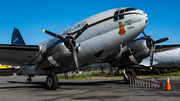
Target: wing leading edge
pixel 160 48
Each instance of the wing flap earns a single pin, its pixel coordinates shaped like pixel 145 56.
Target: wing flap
pixel 17 54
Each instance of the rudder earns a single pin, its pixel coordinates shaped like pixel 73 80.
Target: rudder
pixel 17 38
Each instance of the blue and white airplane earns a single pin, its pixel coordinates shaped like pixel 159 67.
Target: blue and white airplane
pixel 94 39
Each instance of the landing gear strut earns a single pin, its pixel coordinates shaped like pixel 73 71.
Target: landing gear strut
pixel 111 71
pixel 52 81
pixel 28 80
pixel 128 72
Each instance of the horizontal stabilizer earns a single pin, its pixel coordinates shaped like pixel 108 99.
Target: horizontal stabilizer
pixel 7 71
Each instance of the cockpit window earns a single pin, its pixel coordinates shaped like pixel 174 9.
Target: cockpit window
pixel 129 9
pixel 116 16
pixel 122 11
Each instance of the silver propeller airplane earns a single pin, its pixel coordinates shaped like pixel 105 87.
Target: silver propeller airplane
pixel 163 60
pixel 92 40
pixel 134 56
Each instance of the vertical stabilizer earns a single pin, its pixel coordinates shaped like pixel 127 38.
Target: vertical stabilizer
pixel 17 38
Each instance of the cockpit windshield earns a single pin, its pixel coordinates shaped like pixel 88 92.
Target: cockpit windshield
pixel 119 14
pixel 129 9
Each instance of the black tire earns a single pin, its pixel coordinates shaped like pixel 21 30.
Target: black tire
pixel 52 81
pixel 28 81
pixel 129 72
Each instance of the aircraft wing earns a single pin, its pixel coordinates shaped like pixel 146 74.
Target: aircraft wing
pixel 160 48
pixel 18 54
pixel 146 62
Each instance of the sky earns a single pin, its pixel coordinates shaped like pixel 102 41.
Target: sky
pixel 32 16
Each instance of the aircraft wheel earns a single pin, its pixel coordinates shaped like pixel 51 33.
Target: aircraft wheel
pixel 28 81
pixel 129 72
pixel 52 81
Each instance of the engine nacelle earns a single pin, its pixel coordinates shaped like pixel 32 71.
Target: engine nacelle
pixel 55 55
pixel 60 53
pixel 133 53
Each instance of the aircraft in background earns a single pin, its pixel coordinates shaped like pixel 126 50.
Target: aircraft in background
pixel 163 60
pixel 165 57
pixel 5 66
pixel 94 39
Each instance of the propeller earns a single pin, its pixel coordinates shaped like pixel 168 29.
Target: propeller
pixel 152 46
pixel 71 42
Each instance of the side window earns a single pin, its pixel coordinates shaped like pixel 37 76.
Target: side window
pixel 116 16
pixel 121 16
pixel 122 11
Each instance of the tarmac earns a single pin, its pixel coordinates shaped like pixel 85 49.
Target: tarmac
pixel 14 88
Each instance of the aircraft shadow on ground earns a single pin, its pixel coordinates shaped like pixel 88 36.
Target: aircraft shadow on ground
pixel 68 83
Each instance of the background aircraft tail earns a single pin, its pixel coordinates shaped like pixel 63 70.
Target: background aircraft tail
pixel 17 38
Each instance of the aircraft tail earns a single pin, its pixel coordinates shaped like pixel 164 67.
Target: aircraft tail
pixel 17 38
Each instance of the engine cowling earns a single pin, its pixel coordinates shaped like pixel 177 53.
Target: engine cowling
pixel 56 54
pixel 134 52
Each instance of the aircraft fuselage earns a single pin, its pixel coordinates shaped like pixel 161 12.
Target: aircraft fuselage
pixel 106 32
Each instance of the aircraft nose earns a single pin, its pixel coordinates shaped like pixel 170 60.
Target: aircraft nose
pixel 143 19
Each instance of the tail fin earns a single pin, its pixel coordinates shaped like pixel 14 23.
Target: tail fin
pixel 17 38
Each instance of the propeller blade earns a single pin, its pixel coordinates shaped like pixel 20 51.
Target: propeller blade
pixel 54 35
pixel 162 40
pixel 144 34
pixel 151 56
pixel 81 31
pixel 75 56
pixel 152 43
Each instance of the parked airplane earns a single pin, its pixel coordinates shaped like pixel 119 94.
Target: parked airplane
pixel 4 66
pixel 163 60
pixel 104 35
pixel 136 58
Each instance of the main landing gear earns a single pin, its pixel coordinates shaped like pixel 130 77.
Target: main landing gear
pixel 52 81
pixel 28 80
pixel 128 72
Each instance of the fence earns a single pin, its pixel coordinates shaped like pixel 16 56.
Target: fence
pixel 142 83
